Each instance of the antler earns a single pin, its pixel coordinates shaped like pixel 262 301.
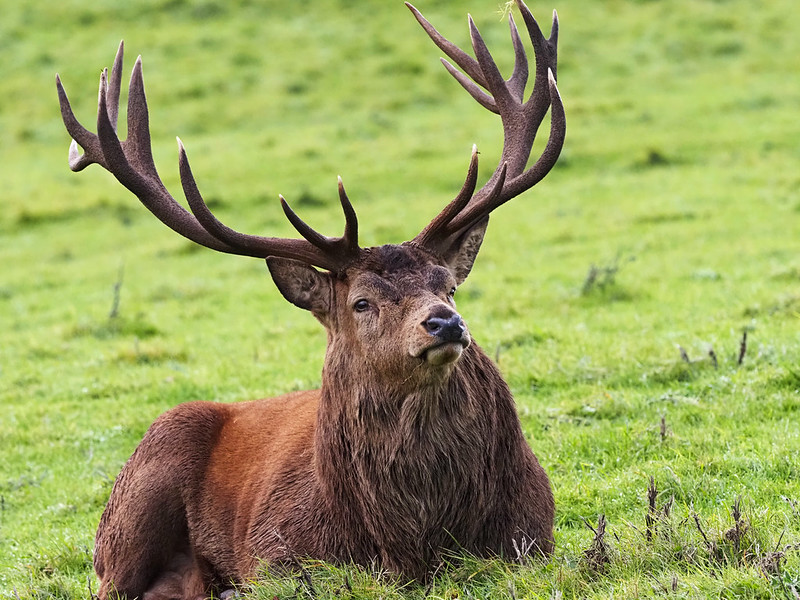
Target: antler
pixel 131 162
pixel 520 118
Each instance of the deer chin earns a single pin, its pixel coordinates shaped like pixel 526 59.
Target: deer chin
pixel 442 354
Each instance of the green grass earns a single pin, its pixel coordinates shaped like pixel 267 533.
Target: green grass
pixel 678 185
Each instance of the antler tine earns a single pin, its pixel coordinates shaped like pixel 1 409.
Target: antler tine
pixel 350 236
pixel 521 120
pixel 253 245
pixel 519 78
pixel 81 135
pixel 461 58
pixel 115 85
pixel 474 212
pixel 494 80
pixel 89 141
pixel 546 55
pixel 492 195
pixel 439 224
pixel 138 146
pixel 345 247
pixel 131 162
pixel 476 92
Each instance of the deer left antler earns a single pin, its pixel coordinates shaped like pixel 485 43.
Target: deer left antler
pixel 131 162
pixel 521 120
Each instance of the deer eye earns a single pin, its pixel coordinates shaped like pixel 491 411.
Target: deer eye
pixel 361 305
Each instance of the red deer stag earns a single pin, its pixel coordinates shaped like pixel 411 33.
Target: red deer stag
pixel 411 448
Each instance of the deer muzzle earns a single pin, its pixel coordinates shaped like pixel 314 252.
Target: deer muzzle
pixel 448 337
pixel 447 329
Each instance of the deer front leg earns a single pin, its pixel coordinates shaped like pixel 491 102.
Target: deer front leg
pixel 182 579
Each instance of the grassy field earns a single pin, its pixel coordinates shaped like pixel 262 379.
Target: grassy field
pixel 615 295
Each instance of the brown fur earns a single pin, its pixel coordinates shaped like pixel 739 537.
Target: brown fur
pixel 393 459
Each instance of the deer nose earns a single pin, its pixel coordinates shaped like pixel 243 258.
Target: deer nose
pixel 449 329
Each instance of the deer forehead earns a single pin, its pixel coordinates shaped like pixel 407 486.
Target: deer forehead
pixel 395 273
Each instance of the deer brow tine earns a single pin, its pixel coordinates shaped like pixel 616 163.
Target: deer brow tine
pixel 441 222
pixel 350 235
pixel 483 207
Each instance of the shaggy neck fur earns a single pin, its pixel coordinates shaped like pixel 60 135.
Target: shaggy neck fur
pixel 421 468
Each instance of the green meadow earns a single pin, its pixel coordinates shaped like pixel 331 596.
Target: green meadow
pixel 643 301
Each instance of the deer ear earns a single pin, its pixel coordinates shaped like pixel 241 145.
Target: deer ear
pixel 301 284
pixel 461 255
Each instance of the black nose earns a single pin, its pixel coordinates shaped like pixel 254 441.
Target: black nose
pixel 448 329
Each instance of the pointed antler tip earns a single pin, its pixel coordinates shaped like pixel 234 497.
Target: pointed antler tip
pixel 417 15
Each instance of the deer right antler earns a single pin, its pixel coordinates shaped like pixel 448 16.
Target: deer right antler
pixel 131 162
pixel 520 118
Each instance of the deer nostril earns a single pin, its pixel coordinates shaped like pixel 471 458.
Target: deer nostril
pixel 449 329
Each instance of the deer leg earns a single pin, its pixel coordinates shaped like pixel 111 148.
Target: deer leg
pixel 134 550
pixel 143 543
pixel 182 579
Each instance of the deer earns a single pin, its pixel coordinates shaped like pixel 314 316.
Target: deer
pixel 412 447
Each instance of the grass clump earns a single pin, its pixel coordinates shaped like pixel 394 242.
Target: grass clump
pixel 675 554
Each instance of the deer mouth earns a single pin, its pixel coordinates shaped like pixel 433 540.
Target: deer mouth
pixel 443 353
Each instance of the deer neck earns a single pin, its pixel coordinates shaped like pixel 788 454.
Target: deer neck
pixel 368 410
pixel 415 464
